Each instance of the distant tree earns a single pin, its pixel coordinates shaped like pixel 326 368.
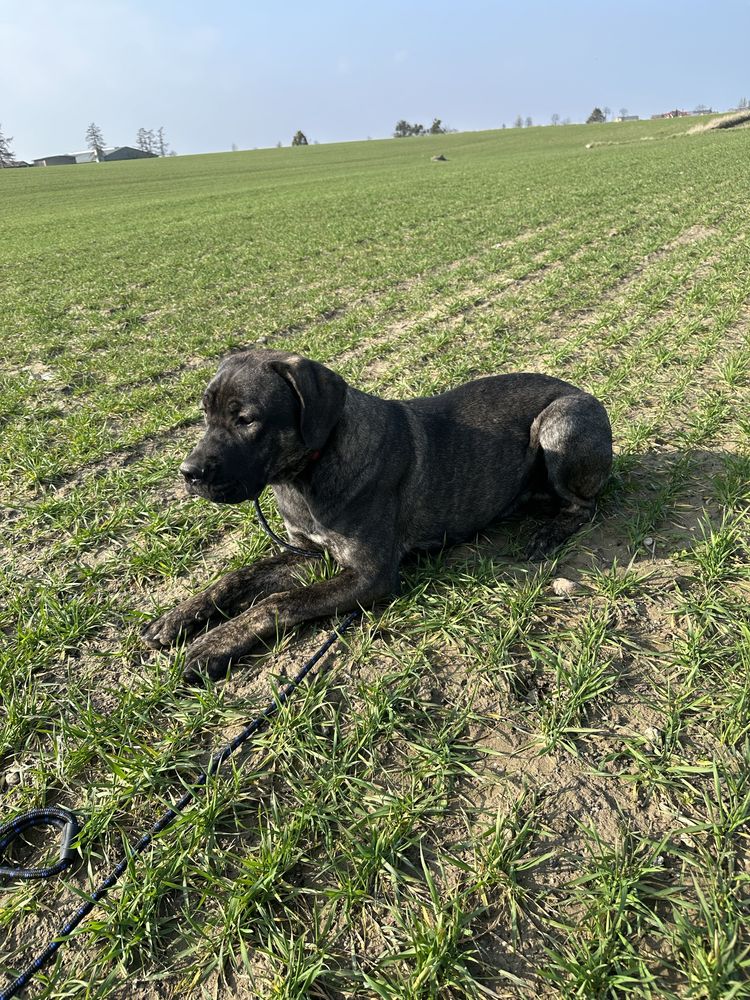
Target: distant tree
pixel 404 129
pixel 142 141
pixel 623 112
pixel 607 112
pixel 555 119
pixel 7 156
pixel 529 123
pixel 597 115
pixel 503 124
pixel 279 144
pixel 95 140
pixel 518 123
pixel 172 152
pixel 566 121
pixel 743 104
pixel 437 127
pixel 161 142
pixel 702 109
pixel 300 139
pixel 235 147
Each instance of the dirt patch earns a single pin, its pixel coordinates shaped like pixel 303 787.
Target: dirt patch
pixel 524 237
pixel 692 235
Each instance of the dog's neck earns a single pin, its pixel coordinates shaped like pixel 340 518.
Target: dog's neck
pixel 298 473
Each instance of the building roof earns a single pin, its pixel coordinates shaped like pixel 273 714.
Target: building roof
pixel 112 154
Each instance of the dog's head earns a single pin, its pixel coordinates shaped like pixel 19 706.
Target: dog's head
pixel 267 414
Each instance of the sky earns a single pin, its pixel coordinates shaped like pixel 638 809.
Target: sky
pixel 251 73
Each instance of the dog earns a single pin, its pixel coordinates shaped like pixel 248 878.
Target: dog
pixel 369 480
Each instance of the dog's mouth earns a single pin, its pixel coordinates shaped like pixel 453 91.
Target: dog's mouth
pixel 230 492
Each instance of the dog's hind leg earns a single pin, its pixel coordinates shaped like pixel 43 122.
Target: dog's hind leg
pixel 575 439
pixel 230 596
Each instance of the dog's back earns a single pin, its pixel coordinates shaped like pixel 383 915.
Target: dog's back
pixel 476 455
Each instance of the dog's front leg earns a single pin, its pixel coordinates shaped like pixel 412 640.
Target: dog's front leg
pixel 228 597
pixel 216 650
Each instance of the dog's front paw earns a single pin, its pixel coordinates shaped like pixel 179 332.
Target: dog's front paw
pixel 554 535
pixel 544 544
pixel 182 622
pixel 213 653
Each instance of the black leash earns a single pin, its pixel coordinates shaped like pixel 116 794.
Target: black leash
pixel 67 821
pixel 315 553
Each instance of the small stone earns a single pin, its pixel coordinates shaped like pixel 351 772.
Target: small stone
pixel 12 778
pixel 652 735
pixel 648 542
pixel 563 587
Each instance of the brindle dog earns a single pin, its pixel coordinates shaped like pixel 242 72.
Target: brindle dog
pixel 371 479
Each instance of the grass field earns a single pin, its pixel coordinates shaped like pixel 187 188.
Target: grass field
pixel 496 790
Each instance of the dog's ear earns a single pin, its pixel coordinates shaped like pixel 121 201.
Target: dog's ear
pixel 321 394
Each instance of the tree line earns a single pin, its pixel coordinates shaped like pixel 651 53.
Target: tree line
pixel 404 129
pixel 146 140
pixel 153 142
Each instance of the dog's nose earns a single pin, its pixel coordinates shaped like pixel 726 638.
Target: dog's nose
pixel 193 472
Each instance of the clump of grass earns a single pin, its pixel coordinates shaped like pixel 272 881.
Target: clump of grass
pixel 616 897
pixel 582 674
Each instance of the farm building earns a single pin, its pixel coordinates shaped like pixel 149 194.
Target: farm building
pixel 127 153
pixel 672 114
pixel 54 161
pixel 89 156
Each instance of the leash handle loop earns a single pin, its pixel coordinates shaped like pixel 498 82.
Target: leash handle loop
pixel 11 831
